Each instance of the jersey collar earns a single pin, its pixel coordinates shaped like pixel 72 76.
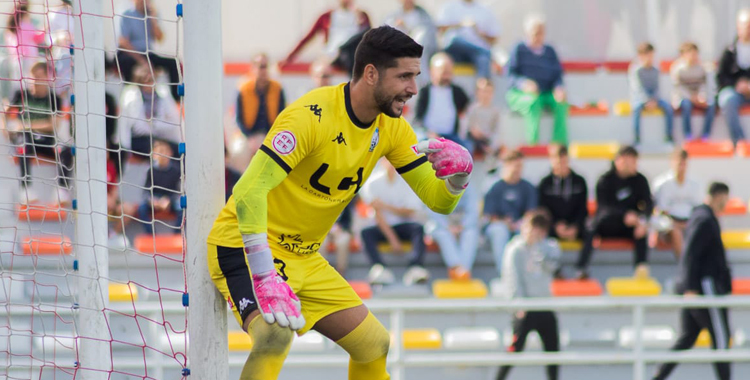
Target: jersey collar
pixel 350 110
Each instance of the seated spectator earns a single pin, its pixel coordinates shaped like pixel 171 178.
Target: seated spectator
pixel 441 104
pixel 643 77
pixel 469 30
pixel 139 30
pixel 259 102
pixel 531 261
pixel 692 89
pixel 25 44
pixel 147 112
pixel 564 194
pixel 341 236
pixel 733 77
pixel 506 203
pixel 623 206
pixel 459 253
pixel 396 210
pixel 38 110
pixel 675 196
pixel 342 29
pixel 536 83
pixel 482 127
pixel 162 188
pixel 417 23
pixel 61 31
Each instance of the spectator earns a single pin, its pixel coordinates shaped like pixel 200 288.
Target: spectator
pixel 441 104
pixel 704 270
pixel 733 77
pixel 38 109
pixel 321 73
pixel 692 89
pixel 623 206
pixel 482 127
pixel 259 101
pixel 644 90
pixel 162 188
pixel 341 236
pixel 342 29
pixel 22 41
pixel 675 196
pixel 396 210
pixel 531 261
pixel 61 31
pixel 417 23
pixel 139 31
pixel 536 83
pixel 565 195
pixel 147 112
pixel 459 254
pixel 506 203
pixel 231 176
pixel 469 30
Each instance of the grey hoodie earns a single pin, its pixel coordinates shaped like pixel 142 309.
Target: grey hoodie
pixel 528 270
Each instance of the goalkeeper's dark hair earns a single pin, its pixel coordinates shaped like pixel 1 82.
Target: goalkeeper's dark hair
pixel 381 47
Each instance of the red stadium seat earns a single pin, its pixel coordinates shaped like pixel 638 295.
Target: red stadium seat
pixel 46 245
pixel 666 65
pixel 591 206
pixel 580 66
pixel 534 150
pixel 168 244
pixel 41 213
pixel 709 148
pixel 741 286
pixel 596 109
pixel 576 288
pixel 735 206
pixel 616 66
pixel 362 288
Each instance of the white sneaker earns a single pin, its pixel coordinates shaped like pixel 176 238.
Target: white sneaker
pixel 63 196
pixel 118 242
pixel 416 275
pixel 380 275
pixel 26 195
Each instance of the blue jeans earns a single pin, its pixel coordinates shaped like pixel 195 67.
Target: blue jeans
pixel 730 102
pixel 686 107
pixel 668 118
pixel 461 251
pixel 499 234
pixel 145 213
pixel 465 52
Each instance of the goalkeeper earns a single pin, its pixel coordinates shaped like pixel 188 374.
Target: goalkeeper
pixel 263 248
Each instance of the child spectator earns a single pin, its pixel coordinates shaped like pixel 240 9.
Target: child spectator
pixel 643 77
pixel 162 188
pixel 506 203
pixel 482 126
pixel 692 89
pixel 531 261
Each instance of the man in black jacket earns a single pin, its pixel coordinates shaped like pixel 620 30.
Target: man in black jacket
pixel 733 76
pixel 564 194
pixel 624 205
pixel 441 103
pixel 704 270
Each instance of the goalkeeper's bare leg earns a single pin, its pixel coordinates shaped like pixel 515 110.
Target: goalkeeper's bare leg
pixel 358 332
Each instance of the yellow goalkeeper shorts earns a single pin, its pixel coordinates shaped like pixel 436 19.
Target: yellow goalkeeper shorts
pixel 320 288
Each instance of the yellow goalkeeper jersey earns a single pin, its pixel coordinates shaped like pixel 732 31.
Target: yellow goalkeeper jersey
pixel 328 155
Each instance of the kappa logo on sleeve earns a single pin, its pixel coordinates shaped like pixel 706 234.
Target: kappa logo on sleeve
pixel 284 142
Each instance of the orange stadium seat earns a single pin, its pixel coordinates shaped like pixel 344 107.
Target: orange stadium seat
pixel 743 148
pixel 745 110
pixel 46 245
pixel 616 66
pixel 534 150
pixel 665 65
pixel 741 286
pixel 576 288
pixel 362 288
pixel 735 206
pixel 591 205
pixel 593 109
pixel 167 244
pixel 709 148
pixel 41 213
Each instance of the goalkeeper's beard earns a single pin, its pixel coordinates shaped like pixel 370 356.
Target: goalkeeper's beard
pixel 385 104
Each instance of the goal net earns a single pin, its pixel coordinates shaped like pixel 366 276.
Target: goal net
pixel 93 282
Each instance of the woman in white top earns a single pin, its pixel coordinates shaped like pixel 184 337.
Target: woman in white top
pixel 675 195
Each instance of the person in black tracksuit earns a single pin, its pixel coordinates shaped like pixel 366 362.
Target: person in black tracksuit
pixel 704 270
pixel 564 194
pixel 624 204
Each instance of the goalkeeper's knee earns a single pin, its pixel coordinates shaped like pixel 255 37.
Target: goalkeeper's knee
pixel 368 342
pixel 270 339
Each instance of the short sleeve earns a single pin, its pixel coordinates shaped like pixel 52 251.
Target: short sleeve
pixel 491 26
pixel 403 150
pixel 291 137
pixel 447 16
pixel 125 26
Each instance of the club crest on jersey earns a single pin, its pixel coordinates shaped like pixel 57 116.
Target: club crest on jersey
pixel 375 139
pixel 284 142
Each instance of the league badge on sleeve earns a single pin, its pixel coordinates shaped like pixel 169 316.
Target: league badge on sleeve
pixel 284 142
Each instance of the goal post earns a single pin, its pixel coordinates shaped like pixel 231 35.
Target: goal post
pixel 204 187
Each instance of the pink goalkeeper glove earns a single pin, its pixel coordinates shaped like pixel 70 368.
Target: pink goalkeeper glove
pixel 276 300
pixel 451 162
